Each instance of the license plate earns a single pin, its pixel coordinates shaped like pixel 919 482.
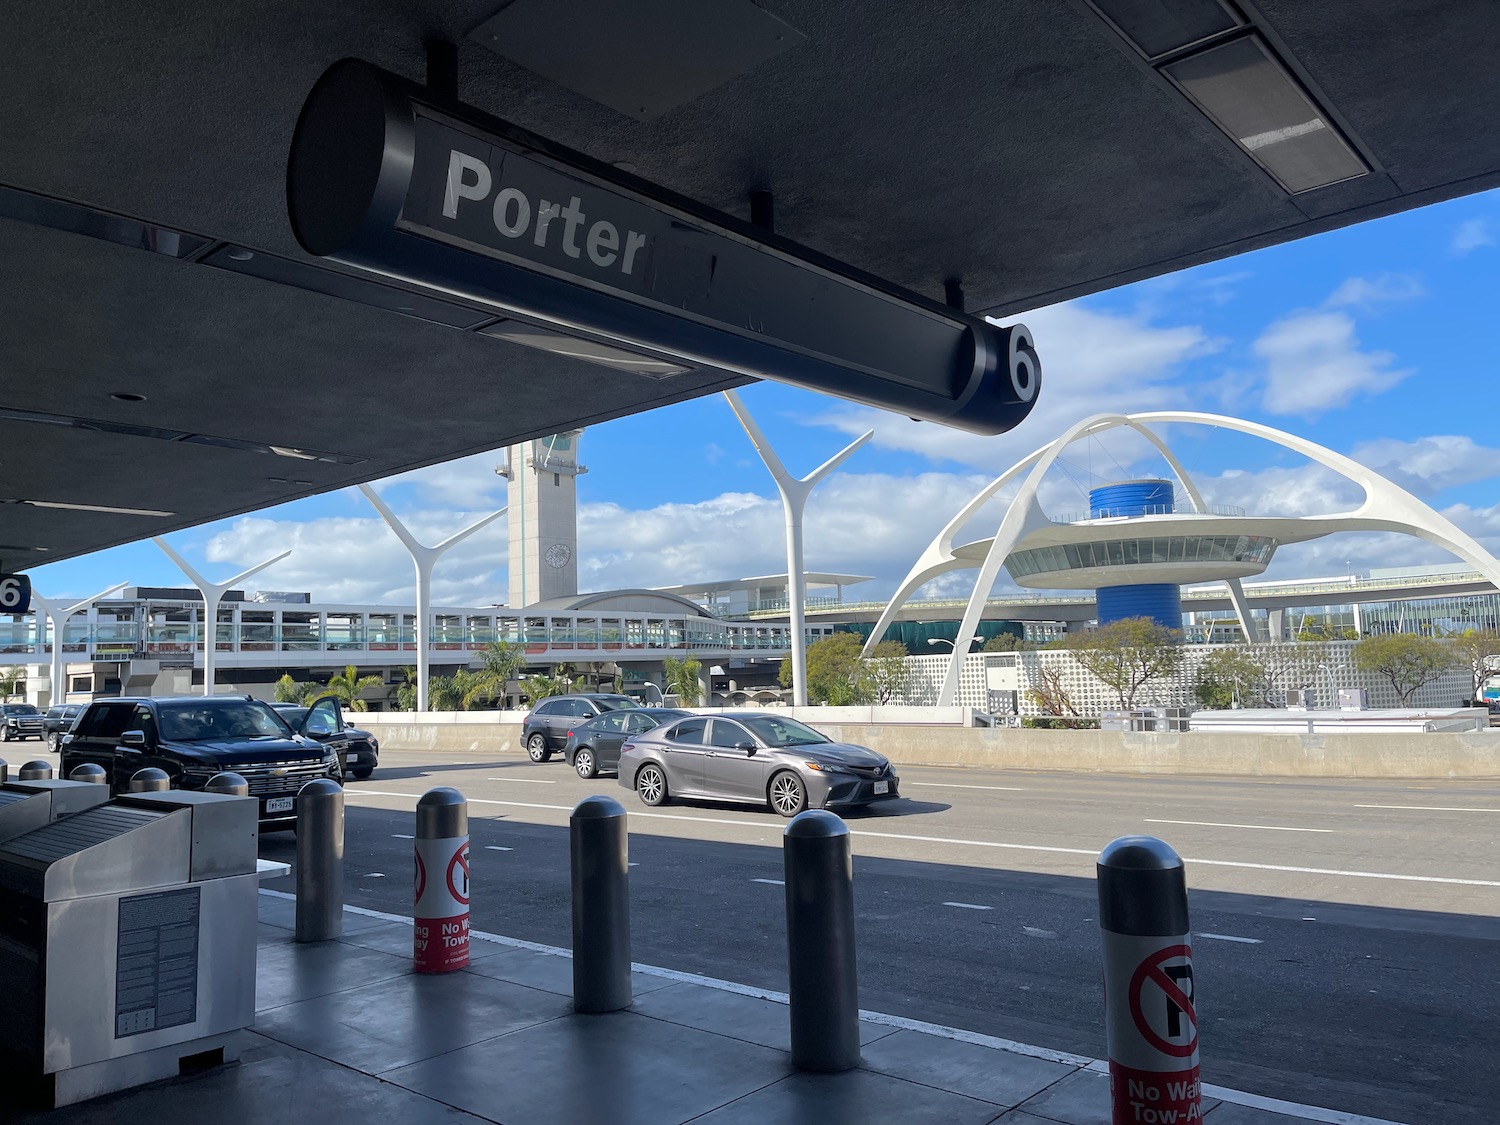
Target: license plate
pixel 278 804
pixel 882 787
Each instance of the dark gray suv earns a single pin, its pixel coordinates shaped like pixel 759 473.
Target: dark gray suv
pixel 545 731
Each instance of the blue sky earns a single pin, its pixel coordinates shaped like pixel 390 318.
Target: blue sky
pixel 1374 340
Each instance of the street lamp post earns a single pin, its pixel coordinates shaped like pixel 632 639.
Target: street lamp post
pixel 794 493
pixel 213 594
pixel 423 559
pixel 954 643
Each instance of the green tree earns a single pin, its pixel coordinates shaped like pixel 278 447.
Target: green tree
pixel 540 687
pixel 681 678
pixel 11 680
pixel 1126 655
pixel 886 672
pixel 503 662
pixel 1470 647
pixel 288 690
pixel 835 672
pixel 1004 642
pixel 1405 661
pixel 446 693
pixel 406 690
pixel 1050 697
pixel 1232 676
pixel 347 686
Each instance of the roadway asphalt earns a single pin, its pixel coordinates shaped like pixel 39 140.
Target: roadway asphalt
pixel 1348 933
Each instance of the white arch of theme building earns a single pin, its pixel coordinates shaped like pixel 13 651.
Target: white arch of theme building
pixel 1386 507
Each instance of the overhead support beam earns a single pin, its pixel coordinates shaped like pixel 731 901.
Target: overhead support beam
pixel 423 559
pixel 213 594
pixel 794 494
pixel 442 68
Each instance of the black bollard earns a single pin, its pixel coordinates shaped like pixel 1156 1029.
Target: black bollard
pixel 89 772
pixel 229 783
pixel 320 861
pixel 820 943
pixel 601 905
pixel 1151 1025
pixel 35 771
pixel 149 780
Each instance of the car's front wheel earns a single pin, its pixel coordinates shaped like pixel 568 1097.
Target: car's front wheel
pixel 536 748
pixel 787 793
pixel 583 762
pixel 4 734
pixel 651 785
pixel 54 742
pixel 362 774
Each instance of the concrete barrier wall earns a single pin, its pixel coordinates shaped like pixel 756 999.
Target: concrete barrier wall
pixel 1367 755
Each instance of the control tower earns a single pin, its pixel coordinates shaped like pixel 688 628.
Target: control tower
pixel 543 498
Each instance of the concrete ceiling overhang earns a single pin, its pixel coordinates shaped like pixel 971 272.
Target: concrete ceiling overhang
pixel 1018 145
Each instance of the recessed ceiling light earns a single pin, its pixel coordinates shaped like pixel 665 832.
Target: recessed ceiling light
pixel 127 396
pixel 105 508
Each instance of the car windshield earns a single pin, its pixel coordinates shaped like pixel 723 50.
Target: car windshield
pixel 206 722
pixel 292 715
pixel 21 709
pixel 782 732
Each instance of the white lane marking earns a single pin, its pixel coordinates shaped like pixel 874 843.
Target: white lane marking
pixel 944 785
pixel 1217 824
pixel 632 865
pixel 497 848
pixel 1032 931
pixel 968 906
pixel 1228 937
pixel 399 836
pixel 1425 808
pixel 993 844
pixel 375 875
pixel 523 780
pixel 773 882
pixel 901 1023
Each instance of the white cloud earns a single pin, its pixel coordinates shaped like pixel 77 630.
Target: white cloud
pixel 1366 292
pixel 1314 363
pixel 1430 464
pixel 1471 235
pixel 469 482
pixel 1091 362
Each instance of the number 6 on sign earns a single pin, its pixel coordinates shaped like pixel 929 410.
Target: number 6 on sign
pixel 15 593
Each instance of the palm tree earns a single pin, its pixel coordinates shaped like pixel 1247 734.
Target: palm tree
pixel 503 661
pixel 348 687
pixel 682 679
pixel 405 691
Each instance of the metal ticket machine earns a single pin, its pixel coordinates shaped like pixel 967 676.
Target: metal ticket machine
pixel 127 942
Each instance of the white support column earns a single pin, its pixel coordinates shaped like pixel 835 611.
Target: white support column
pixel 213 594
pixel 794 494
pixel 423 559
pixel 58 619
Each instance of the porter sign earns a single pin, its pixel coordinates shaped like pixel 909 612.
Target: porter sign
pixel 387 177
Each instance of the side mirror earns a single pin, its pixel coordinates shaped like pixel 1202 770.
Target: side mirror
pixel 747 747
pixel 133 740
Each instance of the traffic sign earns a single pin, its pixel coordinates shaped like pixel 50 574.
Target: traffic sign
pixel 458 874
pixel 1161 1001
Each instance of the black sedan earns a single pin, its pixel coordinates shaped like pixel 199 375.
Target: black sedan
pixel 594 745
pixel 363 754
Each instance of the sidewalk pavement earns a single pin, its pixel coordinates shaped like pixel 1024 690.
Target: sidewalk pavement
pixel 345 1032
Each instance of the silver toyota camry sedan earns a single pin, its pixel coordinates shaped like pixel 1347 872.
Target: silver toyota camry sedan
pixel 754 757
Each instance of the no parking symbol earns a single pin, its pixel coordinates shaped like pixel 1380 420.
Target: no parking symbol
pixel 1161 1001
pixel 458 875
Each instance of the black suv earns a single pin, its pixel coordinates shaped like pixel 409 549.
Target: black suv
pixel 194 737
pixel 545 730
pixel 361 757
pixel 58 721
pixel 20 720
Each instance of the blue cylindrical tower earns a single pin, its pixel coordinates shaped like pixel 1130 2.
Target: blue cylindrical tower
pixel 1161 602
pixel 1131 498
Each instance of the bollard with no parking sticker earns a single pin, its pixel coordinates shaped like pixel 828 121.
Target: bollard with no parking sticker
pixel 1151 1023
pixel 440 930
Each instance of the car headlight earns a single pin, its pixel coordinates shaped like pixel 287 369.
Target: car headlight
pixel 822 767
pixel 375 745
